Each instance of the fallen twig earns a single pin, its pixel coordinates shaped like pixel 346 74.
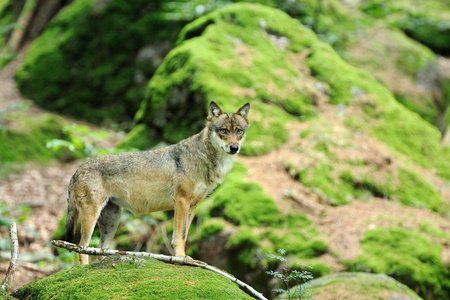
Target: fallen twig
pixel 166 258
pixel 6 284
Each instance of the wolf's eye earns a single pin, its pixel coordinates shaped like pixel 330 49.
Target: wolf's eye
pixel 240 131
pixel 222 131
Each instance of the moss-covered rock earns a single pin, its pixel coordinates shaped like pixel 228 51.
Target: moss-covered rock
pixel 86 64
pixel 355 286
pixel 132 278
pixel 240 53
pixel 408 256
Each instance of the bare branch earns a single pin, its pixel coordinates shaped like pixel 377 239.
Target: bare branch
pixel 166 258
pixel 6 284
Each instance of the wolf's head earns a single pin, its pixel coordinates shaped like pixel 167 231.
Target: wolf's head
pixel 227 130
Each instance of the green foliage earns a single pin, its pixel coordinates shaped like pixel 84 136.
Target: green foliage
pixel 11 214
pixel 293 282
pixel 132 278
pixel 26 137
pixel 406 255
pixel 81 142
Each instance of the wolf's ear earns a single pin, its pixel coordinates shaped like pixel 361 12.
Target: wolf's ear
pixel 214 111
pixel 243 111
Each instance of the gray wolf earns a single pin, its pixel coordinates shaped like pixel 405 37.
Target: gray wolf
pixel 176 177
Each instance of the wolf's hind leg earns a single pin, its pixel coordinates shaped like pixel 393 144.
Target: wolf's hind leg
pixel 107 222
pixel 89 210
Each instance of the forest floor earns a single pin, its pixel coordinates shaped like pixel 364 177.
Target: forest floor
pixel 44 189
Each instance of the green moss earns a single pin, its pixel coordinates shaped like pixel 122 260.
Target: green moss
pixel 338 180
pixel 138 138
pixel 425 21
pixel 25 138
pixel 233 202
pixel 322 181
pixel 268 132
pixel 433 231
pixel 121 277
pixel 416 191
pixel 212 226
pixel 408 256
pixel 388 121
pixel 356 285
pixel 93 61
pixel 404 132
pixel 207 66
pixel 244 244
pixel 409 188
pixel 300 245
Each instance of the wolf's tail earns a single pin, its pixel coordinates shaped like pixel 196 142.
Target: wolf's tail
pixel 72 216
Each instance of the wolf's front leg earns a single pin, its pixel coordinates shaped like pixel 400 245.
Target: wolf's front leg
pixel 180 229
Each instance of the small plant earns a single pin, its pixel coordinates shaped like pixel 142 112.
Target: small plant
pixel 8 215
pixel 293 282
pixel 81 139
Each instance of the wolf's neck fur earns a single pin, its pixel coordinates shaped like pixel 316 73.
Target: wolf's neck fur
pixel 215 162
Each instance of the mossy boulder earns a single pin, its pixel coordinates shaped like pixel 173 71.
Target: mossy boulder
pixel 239 53
pixel 408 256
pixel 355 286
pixel 94 58
pixel 132 278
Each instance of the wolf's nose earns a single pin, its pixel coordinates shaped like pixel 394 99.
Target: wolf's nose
pixel 234 148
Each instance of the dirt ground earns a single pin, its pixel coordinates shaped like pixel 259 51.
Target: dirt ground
pixel 44 188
